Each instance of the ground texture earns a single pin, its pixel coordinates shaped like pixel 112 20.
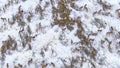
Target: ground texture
pixel 59 33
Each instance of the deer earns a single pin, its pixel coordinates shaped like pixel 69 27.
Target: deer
pixel 3 19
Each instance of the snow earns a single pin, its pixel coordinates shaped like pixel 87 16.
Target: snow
pixel 55 45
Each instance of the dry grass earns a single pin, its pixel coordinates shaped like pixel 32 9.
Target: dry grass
pixel 65 23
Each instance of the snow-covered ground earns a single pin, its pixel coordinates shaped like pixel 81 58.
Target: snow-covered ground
pixel 59 33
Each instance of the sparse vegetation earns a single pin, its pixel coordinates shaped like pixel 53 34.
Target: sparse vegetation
pixel 86 50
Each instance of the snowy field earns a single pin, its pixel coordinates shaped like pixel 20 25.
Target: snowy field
pixel 59 33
